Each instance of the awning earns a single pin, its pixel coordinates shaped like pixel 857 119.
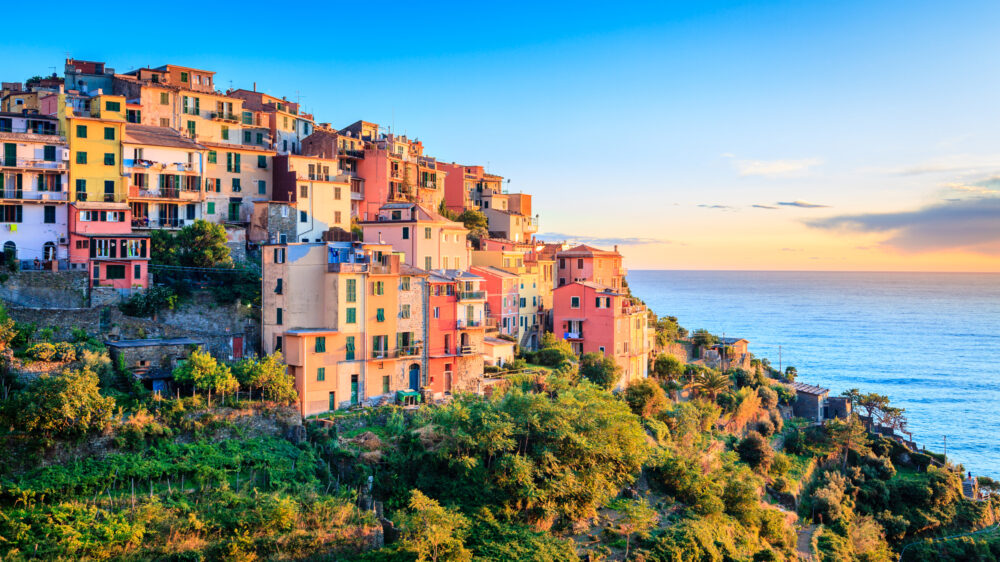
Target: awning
pixel 407 393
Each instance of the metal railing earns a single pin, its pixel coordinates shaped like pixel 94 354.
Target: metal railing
pixel 31 130
pixel 471 295
pixel 34 195
pixel 157 223
pixel 467 350
pixel 346 267
pixel 352 153
pixel 32 163
pixel 466 323
pixel 409 351
pixel 223 116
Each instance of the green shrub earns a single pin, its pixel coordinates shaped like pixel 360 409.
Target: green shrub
pixel 65 351
pixel 41 351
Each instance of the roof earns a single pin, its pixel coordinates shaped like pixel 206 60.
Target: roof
pixel 154 343
pixel 158 136
pixel 308 331
pixel 246 147
pixel 407 269
pixel 730 341
pixel 101 206
pixel 585 250
pixel 497 341
pixel 496 271
pixel 604 289
pixel 809 388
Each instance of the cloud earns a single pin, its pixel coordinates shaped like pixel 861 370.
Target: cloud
pixel 773 168
pixel 600 241
pixel 802 204
pixel 971 225
pixel 791 249
pixel 768 207
pixel 724 207
pixel 987 186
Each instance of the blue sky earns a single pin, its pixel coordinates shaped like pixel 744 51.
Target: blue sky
pixel 657 123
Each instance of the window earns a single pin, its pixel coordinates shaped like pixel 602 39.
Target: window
pixel 303 217
pixel 109 133
pixel 278 286
pixel 444 262
pixel 352 290
pixel 212 157
pixel 321 374
pixel 279 255
pixel 261 160
pixel 380 315
pixel 349 355
pixel 336 193
pixel 225 132
pixel 303 191
pixel 114 271
pixel 437 312
pixel 184 76
pixel 579 263
pixel 49 153
pixel 97 271
pixel 164 98
pixel 406 233
pixel 81 190
pixel 236 185
pixel 210 208
pixel 385 384
pixel 10 213
pixel 260 138
pixel 427 233
pixel 404 311
pixel 50 214
pixel 278 316
pixel 574 302
pixel 246 137
pixel 137 272
pixel 261 187
pixel 352 315
pixel 523 302
pixel 109 159
pixel 427 262
pixel 109 190
pixel 404 283
pixel 337 217
pixel 81 131
pixel 81 157
pixel 378 287
pixel 321 344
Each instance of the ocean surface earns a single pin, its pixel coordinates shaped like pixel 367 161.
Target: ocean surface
pixel 929 341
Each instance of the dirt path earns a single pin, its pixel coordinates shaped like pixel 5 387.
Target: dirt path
pixel 804 544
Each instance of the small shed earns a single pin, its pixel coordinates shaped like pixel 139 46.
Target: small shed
pixel 153 361
pixel 497 352
pixel 809 401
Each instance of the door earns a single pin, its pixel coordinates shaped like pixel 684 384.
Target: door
pixel 354 389
pixel 10 154
pixel 414 377
pixel 333 401
pixel 237 347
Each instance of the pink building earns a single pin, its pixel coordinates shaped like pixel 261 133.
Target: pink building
pixel 466 186
pixel 101 241
pixel 586 263
pixel 427 239
pixel 456 327
pixel 502 299
pixel 597 318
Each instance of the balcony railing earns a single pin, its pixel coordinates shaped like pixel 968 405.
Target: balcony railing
pixel 32 163
pixel 578 335
pixel 471 295
pixel 34 195
pixel 223 116
pixel 352 153
pixel 383 353
pixel 347 267
pixel 466 323
pixel 143 222
pixel 163 193
pixel 322 177
pixel 429 185
pixel 49 132
pixel 409 351
pixel 467 350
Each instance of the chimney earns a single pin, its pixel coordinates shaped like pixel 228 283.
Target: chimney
pixel 616 248
pixel 99 92
pixel 255 86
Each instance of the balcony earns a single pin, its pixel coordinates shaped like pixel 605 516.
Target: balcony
pixel 463 323
pixel 223 116
pixel 357 195
pixel 144 222
pixel 573 335
pixel 31 164
pixel 408 351
pixel 34 195
pixel 164 193
pixel 346 267
pixel 351 153
pixel 429 185
pixel 471 295
pixel 383 353
pixel 321 177
pixel 32 130
pixel 467 350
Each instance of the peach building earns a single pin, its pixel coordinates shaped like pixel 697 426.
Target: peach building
pixel 502 302
pixel 586 263
pixel 425 238
pixel 597 318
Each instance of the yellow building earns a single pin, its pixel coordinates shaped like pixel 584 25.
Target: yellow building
pixel 95 145
pixel 235 177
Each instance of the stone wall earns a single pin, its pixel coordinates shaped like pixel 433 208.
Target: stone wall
pixel 46 289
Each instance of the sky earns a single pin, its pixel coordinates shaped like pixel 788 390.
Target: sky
pixel 849 135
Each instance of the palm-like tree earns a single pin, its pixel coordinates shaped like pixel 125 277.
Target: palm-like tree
pixel 712 383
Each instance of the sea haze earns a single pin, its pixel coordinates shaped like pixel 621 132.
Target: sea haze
pixel 930 341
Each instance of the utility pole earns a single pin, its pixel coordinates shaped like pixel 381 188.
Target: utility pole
pixel 945 449
pixel 779 360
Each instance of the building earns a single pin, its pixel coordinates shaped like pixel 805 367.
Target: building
pixel 152 361
pixel 727 353
pixel 348 147
pixel 465 186
pixel 456 327
pixel 426 239
pixel 87 76
pixel 95 146
pixel 350 319
pixel 498 352
pixel 510 225
pixel 101 241
pixel 318 197
pixel 502 302
pixel 289 125
pixel 235 177
pixel 33 216
pixel 597 318
pixel 586 263
pixel 165 172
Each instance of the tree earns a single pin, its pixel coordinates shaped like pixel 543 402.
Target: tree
pixel 600 369
pixel 445 212
pixel 848 435
pixel 473 219
pixel 668 367
pixel 432 531
pixel 67 405
pixel 872 404
pixel 199 244
pixel 204 373
pixel 756 451
pixel 636 517
pixel 645 397
pixel 791 373
pixel 270 375
pixel 553 351
pixel 703 337
pixel 712 383
pixel 668 330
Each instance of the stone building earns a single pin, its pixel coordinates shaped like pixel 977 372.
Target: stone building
pixel 153 361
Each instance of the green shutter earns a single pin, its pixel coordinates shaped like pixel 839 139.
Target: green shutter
pixel 210 208
pixel 236 163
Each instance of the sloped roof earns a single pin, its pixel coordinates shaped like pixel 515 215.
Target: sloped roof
pixel 585 250
pixel 809 388
pixel 158 136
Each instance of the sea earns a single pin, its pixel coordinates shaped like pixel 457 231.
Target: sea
pixel 928 341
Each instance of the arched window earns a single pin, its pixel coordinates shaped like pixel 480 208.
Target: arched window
pixel 10 250
pixel 49 251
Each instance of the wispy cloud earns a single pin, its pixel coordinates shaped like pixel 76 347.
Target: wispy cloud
pixel 599 240
pixel 768 207
pixel 773 168
pixel 802 205
pixel 971 225
pixel 987 186
pixel 722 207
